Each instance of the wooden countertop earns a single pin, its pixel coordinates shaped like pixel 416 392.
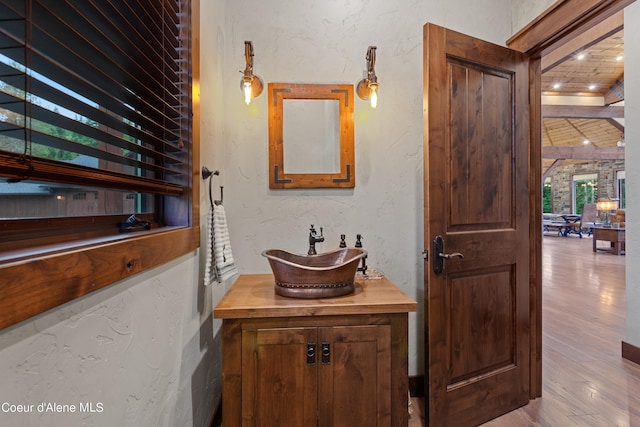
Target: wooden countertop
pixel 253 296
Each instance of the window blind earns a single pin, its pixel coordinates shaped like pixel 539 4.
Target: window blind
pixel 96 92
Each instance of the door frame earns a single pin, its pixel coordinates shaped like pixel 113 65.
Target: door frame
pixel 563 21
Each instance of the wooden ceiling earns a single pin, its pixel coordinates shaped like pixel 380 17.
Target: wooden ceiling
pixel 591 71
pixel 588 71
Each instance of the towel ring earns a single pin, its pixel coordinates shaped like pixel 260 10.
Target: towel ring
pixel 206 173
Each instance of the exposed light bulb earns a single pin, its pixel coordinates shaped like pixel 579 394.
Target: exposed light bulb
pixel 374 96
pixel 367 88
pixel 250 84
pixel 247 92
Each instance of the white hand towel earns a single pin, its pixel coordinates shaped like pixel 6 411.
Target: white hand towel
pixel 225 265
pixel 209 269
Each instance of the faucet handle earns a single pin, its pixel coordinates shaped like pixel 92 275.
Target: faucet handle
pixel 313 230
pixel 358 241
pixel 343 243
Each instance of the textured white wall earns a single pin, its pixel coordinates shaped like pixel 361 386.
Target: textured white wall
pixel 140 352
pixel 326 42
pixel 524 11
pixel 632 152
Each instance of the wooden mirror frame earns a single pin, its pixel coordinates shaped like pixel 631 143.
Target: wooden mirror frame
pixel 343 93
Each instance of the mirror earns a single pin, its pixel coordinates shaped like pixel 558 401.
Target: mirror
pixel 311 130
pixel 311 136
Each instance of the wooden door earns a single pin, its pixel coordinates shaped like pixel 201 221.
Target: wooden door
pixel 279 378
pixel 355 376
pixel 476 200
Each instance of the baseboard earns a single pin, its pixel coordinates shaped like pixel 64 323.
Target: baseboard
pixel 416 386
pixel 631 352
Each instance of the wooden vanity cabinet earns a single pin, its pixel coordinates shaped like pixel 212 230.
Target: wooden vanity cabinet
pixel 333 362
pixel 339 376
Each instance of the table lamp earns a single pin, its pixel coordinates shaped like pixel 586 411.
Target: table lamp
pixel 606 205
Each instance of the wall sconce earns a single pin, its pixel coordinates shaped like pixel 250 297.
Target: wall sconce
pixel 250 84
pixel 368 88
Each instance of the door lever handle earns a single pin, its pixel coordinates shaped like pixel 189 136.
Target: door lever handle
pixel 449 256
pixel 441 255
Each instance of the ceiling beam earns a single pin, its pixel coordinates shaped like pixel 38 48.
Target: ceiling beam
pixel 583 153
pixel 616 124
pixel 590 37
pixel 584 137
pixel 615 93
pixel 550 169
pixel 582 112
pixel 545 129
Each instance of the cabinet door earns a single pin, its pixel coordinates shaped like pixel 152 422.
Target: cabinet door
pixel 355 379
pixel 279 380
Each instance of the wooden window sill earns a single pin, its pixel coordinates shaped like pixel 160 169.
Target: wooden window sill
pixel 34 281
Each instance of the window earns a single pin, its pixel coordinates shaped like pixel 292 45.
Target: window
pixel 585 190
pixel 621 191
pixel 95 125
pixel 547 201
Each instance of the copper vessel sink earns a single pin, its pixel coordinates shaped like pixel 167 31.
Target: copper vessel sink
pixel 329 274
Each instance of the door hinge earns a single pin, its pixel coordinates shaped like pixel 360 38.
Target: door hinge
pixel 425 254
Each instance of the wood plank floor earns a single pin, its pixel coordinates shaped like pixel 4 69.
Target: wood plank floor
pixel 585 380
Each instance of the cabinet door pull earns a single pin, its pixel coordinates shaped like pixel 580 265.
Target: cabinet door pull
pixel 311 353
pixel 326 353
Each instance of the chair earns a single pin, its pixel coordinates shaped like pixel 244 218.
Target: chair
pixel 619 218
pixel 589 217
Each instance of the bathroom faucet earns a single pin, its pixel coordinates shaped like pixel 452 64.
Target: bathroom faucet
pixel 313 239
